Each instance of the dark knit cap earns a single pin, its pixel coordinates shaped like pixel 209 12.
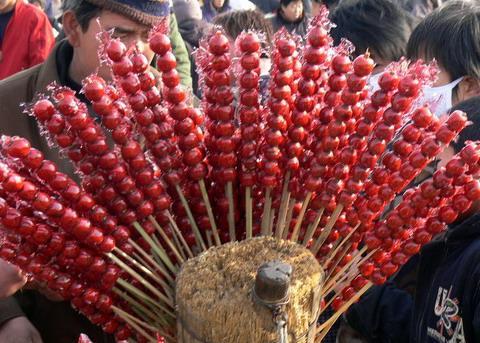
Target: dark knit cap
pixel 147 12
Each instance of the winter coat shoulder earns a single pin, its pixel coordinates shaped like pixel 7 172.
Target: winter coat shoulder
pixel 28 39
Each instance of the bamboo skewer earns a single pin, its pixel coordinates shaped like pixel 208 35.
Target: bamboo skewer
pixel 140 295
pixel 266 211
pixel 206 199
pixel 341 275
pixel 157 249
pixel 340 244
pixel 177 231
pixel 141 309
pixel 282 214
pixel 138 324
pixel 178 244
pixel 145 270
pixel 138 320
pixel 323 329
pixel 270 225
pixel 156 266
pixel 286 227
pixel 248 213
pixel 142 280
pixel 166 239
pixel 231 211
pixel 299 222
pixel 209 238
pixel 313 227
pixel 326 231
pixel 196 230
pixel 337 260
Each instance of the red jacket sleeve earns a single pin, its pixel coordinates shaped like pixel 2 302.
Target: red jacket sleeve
pixel 41 40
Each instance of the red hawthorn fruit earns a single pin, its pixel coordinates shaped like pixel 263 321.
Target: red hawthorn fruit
pixel 116 50
pixel 18 147
pixel 43 110
pixel 160 43
pixel 94 89
pixel 363 65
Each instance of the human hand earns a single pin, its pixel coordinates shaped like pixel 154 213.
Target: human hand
pixel 11 279
pixel 346 334
pixel 19 330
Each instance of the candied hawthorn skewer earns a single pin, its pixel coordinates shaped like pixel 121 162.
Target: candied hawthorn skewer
pixel 372 114
pixel 85 155
pixel 282 92
pixel 193 155
pixel 310 93
pixel 347 83
pixel 408 90
pixel 150 196
pixel 391 181
pixel 155 123
pixel 249 114
pixel 221 127
pixel 424 211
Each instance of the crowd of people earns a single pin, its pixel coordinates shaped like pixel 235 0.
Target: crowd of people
pixel 434 298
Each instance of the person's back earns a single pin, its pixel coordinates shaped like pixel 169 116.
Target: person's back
pixel 26 36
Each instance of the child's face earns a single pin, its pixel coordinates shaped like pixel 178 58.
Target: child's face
pixel 293 11
pixel 466 89
pixel 218 3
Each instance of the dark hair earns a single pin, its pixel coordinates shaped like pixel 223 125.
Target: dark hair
pixel 83 10
pixel 287 2
pixel 450 34
pixel 472 132
pixel 378 25
pixel 234 22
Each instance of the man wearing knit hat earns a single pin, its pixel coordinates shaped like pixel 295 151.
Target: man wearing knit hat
pixel 72 59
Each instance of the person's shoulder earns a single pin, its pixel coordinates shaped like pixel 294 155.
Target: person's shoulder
pixel 32 13
pixel 18 86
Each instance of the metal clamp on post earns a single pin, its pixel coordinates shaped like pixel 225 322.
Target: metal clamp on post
pixel 271 289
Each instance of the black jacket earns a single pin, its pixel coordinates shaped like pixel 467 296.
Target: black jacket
pixel 445 306
pixel 192 31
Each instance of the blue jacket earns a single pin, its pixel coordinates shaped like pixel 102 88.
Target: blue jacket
pixel 445 305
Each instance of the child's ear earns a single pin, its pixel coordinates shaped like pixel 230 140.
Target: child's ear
pixel 468 88
pixel 72 28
